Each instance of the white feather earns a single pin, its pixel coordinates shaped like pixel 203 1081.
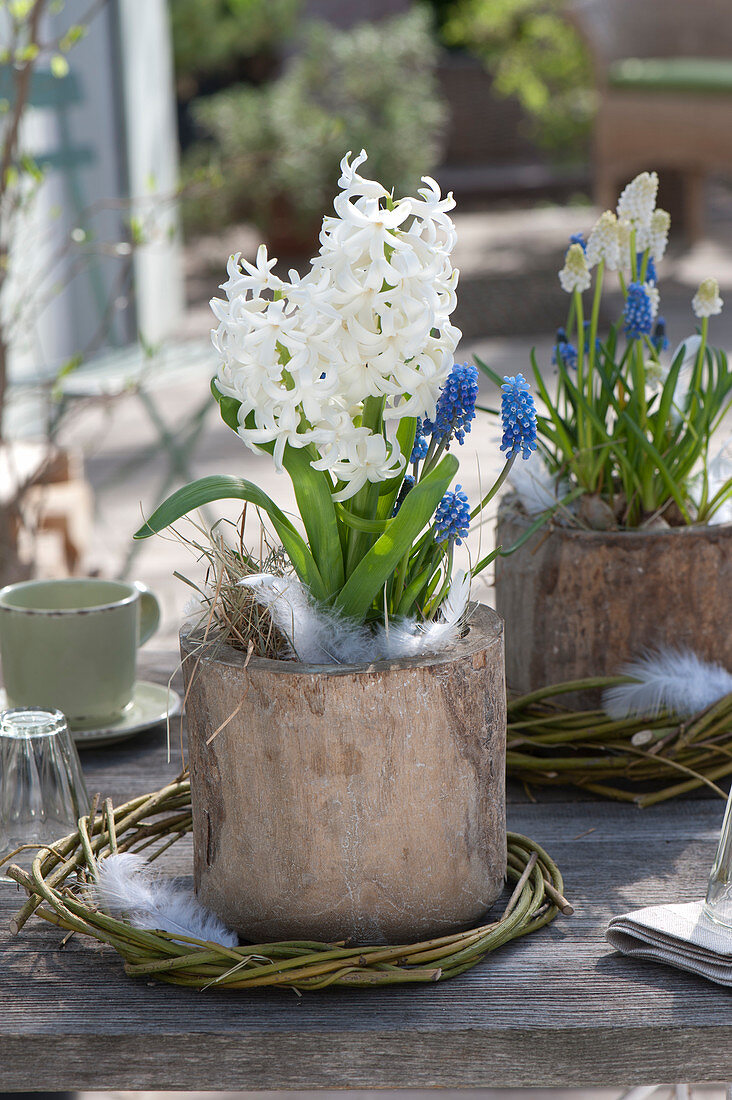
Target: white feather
pixel 671 680
pixel 455 603
pixel 323 637
pixel 719 473
pixel 128 886
pixel 535 487
pixel 193 608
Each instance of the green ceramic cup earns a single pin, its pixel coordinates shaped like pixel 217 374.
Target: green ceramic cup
pixel 71 645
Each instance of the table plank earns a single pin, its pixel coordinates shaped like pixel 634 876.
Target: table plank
pixel 557 1008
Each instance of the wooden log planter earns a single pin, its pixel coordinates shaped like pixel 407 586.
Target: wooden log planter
pixel 364 803
pixel 580 603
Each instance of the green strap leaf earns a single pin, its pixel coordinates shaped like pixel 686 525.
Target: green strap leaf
pixel 228 407
pixel 313 489
pixel 358 523
pixel 389 490
pixel 661 466
pixel 222 487
pixel 488 371
pixel 374 569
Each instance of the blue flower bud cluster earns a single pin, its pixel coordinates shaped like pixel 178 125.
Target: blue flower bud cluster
pixel 455 405
pixel 659 338
pixel 651 276
pixel 407 485
pixel 421 444
pixel 452 518
pixel 578 238
pixel 638 314
pixel 518 417
pixel 564 350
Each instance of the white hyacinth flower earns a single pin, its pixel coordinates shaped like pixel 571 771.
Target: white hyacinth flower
pixel 636 205
pixel 575 275
pixel 706 302
pixel 660 225
pixel 371 318
pixel 362 457
pixel 603 244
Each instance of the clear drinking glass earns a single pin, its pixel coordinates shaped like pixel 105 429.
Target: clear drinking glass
pixel 718 904
pixel 42 788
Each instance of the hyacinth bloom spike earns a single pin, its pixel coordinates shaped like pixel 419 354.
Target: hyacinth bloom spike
pixel 452 518
pixel 455 405
pixel 305 363
pixel 518 417
pixel 638 313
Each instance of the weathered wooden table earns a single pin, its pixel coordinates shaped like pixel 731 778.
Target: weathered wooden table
pixel 556 1008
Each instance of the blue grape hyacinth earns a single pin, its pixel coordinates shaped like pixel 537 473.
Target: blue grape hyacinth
pixel 455 405
pixel 518 416
pixel 638 312
pixel 407 486
pixel 659 338
pixel 421 444
pixel 452 518
pixel 651 274
pixel 564 350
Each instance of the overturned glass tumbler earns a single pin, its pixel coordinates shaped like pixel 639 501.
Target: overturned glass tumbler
pixel 42 788
pixel 718 904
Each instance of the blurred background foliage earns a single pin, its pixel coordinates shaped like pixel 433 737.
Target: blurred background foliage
pixel 535 54
pixel 269 99
pixel 220 42
pixel 273 150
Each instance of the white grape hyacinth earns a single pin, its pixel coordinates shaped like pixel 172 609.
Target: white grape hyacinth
pixel 575 275
pixel 707 302
pixel 603 245
pixel 371 318
pixel 636 205
pixel 660 225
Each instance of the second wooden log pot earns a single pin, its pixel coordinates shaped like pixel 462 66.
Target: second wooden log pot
pixel 579 603
pixel 359 802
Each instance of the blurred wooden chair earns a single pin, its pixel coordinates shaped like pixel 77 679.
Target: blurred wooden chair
pixel 664 77
pixel 46 509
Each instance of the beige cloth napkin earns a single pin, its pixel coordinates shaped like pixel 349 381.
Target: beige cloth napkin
pixel 680 935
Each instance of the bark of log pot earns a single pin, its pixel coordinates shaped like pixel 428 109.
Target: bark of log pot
pixel 581 603
pixel 363 802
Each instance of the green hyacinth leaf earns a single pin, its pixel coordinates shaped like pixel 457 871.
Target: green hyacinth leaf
pixel 375 568
pixel 313 489
pixel 221 487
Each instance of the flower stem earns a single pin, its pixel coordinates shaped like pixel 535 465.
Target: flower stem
pixel 365 502
pixel 581 434
pixel 494 489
